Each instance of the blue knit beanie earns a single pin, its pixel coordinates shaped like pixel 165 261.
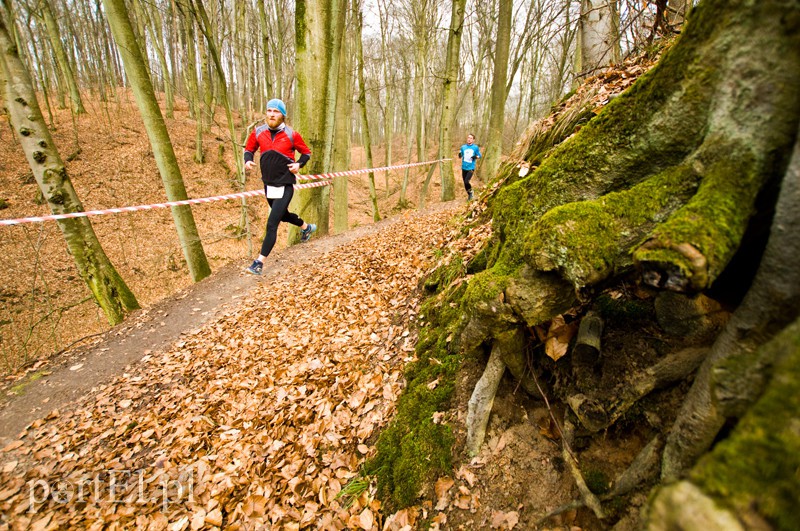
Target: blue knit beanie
pixel 277 104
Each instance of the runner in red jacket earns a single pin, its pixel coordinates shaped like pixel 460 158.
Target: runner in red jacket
pixel 277 143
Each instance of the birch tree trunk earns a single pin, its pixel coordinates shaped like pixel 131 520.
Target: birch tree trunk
pixel 494 144
pixel 159 137
pixel 107 286
pixel 450 95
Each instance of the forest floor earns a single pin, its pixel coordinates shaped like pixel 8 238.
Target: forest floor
pixel 241 402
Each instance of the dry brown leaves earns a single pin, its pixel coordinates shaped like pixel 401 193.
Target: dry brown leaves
pixel 257 420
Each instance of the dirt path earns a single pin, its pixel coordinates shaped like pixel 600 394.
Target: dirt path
pixel 77 372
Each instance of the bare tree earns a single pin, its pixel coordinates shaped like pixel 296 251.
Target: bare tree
pixel 362 103
pixel 61 57
pixel 450 95
pixel 159 137
pixel 494 144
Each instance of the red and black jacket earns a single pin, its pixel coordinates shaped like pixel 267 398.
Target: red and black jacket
pixel 277 152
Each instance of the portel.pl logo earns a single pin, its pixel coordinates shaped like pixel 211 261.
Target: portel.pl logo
pixel 114 486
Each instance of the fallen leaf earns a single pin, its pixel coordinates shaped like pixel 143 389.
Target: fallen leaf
pixel 13 445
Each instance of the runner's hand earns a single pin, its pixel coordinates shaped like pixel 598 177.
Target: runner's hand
pixel 294 167
pixel 249 165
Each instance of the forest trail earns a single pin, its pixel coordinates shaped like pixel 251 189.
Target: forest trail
pixel 268 390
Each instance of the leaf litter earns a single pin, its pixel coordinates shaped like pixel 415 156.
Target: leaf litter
pixel 257 420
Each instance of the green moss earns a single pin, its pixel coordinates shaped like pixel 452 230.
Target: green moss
pixel 20 387
pixel 444 275
pixel 597 481
pixel 588 241
pixel 413 450
pixel 635 136
pixel 715 219
pixel 479 262
pixel 758 466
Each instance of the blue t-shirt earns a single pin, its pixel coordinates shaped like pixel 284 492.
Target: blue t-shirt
pixel 469 152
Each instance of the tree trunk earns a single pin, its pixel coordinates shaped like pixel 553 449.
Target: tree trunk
pixel 159 138
pixel 206 28
pixel 598 36
pixel 494 144
pixel 107 287
pixel 154 24
pixel 265 50
pixel 341 146
pixel 362 103
pixel 388 83
pixel 449 96
pixel 192 87
pixel 318 33
pixel 61 57
pixel 732 377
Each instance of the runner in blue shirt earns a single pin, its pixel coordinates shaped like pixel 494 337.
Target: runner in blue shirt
pixel 468 154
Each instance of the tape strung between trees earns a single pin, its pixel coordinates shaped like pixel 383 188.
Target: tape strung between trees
pixel 315 181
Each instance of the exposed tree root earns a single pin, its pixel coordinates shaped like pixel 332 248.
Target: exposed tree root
pixel 596 414
pixel 732 376
pixel 684 506
pixel 480 403
pixel 643 468
pixel 588 497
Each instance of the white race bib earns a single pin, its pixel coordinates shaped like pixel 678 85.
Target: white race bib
pixel 274 192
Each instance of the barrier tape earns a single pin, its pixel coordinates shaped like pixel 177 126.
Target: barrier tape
pixel 356 172
pixel 317 180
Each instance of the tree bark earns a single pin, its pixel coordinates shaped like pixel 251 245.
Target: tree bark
pixel 733 376
pixel 153 21
pixel 61 57
pixel 662 184
pixel 494 144
pixel 317 38
pixel 450 95
pixel 107 286
pixel 749 480
pixel 598 36
pixel 263 27
pixel 159 138
pixel 362 103
pixel 341 146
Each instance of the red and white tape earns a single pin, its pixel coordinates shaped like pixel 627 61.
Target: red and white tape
pixel 318 180
pixel 356 172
